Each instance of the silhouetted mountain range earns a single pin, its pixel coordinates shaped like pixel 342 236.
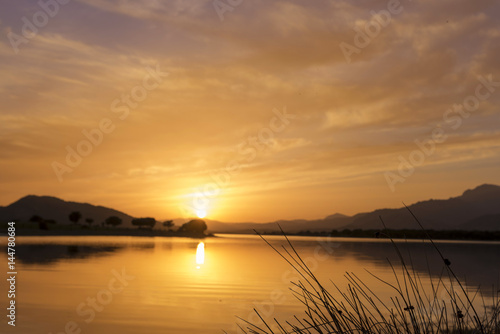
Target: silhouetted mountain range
pixel 54 208
pixel 476 209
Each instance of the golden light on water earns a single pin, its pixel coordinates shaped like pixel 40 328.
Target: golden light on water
pixel 200 254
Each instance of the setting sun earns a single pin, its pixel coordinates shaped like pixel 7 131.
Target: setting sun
pixel 201 213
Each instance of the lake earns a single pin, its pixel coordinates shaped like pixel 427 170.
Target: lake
pixel 164 285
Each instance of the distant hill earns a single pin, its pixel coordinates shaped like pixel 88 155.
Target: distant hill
pixel 483 223
pixel 292 226
pixel 476 209
pixel 54 208
pixel 448 214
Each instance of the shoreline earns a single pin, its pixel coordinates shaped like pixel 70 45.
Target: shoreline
pixel 103 232
pixel 458 235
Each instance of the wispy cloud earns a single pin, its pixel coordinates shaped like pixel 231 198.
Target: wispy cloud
pixel 225 77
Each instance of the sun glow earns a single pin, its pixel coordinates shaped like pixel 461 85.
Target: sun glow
pixel 200 254
pixel 201 213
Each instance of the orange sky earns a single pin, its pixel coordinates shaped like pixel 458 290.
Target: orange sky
pixel 259 97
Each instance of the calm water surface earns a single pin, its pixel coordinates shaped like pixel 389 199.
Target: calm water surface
pixel 175 285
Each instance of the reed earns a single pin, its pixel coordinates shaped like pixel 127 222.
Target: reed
pixel 411 309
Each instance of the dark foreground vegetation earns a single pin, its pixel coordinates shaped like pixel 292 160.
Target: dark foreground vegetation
pixel 405 234
pixel 447 306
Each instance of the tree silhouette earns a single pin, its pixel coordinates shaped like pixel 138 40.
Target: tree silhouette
pixel 168 224
pixel 42 223
pixel 195 226
pixel 113 221
pixel 144 222
pixel 89 221
pixel 36 219
pixel 75 216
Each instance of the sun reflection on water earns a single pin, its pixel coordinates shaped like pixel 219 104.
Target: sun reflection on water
pixel 200 255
